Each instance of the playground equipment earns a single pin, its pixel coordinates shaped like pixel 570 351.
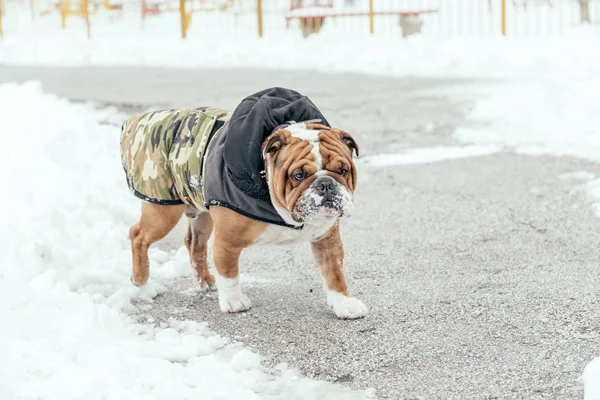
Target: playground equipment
pixel 156 8
pixel 112 6
pixel 313 16
pixel 205 6
pixel 82 10
pixel 309 24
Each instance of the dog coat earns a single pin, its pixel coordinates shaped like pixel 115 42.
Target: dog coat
pixel 163 153
pixel 209 156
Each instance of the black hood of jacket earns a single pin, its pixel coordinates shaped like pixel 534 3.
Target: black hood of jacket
pixel 253 120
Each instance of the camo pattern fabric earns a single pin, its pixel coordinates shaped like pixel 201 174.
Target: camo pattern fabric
pixel 163 153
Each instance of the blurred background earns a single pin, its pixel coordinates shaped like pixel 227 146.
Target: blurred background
pixel 299 18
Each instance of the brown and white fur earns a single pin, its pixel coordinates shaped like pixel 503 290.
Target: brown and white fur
pixel 322 158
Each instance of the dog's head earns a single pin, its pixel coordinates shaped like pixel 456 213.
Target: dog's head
pixel 310 172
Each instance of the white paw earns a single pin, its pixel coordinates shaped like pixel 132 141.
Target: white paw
pixel 346 307
pixel 231 298
pixel 236 303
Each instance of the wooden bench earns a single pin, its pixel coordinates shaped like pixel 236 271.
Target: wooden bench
pixel 311 22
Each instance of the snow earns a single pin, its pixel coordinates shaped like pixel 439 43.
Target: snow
pixel 577 175
pixel 64 289
pixel 591 380
pixel 554 114
pixel 229 40
pixel 426 155
pixel 73 326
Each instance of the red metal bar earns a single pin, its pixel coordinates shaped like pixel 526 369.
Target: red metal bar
pixel 362 14
pixel 365 13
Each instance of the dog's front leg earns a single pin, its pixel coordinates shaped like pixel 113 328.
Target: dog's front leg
pixel 227 256
pixel 329 256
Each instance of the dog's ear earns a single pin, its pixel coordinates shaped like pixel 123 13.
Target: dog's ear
pixel 272 144
pixel 350 142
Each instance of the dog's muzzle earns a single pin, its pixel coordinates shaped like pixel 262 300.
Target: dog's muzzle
pixel 328 189
pixel 325 197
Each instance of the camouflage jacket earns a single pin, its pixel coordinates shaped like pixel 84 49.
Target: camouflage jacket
pixel 177 157
pixel 163 153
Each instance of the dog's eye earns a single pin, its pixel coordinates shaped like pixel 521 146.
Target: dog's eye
pixel 298 176
pixel 343 172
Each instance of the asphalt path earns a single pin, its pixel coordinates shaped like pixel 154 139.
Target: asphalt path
pixel 481 273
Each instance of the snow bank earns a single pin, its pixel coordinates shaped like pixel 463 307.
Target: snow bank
pixel 222 41
pixel 426 155
pixel 554 114
pixel 68 311
pixel 591 380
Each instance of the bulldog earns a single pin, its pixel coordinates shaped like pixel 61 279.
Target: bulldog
pixel 271 172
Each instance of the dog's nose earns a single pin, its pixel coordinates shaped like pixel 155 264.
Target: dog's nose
pixel 325 186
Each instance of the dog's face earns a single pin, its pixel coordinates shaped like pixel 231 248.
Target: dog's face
pixel 310 172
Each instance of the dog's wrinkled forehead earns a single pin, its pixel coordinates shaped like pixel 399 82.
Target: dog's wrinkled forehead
pixel 296 124
pixel 311 131
pixel 301 131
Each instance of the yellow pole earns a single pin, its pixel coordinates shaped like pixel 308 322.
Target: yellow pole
pixel 259 14
pixel 31 5
pixel 503 16
pixel 183 18
pixel 1 34
pixel 371 19
pixel 86 15
pixel 63 13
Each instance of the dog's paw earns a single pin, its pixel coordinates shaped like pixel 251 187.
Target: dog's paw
pixel 231 298
pixel 207 288
pixel 141 282
pixel 204 287
pixel 234 302
pixel 346 307
pixel 208 284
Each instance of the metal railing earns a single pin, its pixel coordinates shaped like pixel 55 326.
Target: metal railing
pixel 442 18
pixel 341 18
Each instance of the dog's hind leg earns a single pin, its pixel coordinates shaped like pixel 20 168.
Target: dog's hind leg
pixel 200 227
pixel 155 223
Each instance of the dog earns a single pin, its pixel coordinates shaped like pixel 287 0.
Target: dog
pixel 271 172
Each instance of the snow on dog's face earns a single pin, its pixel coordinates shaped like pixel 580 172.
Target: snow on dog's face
pixel 310 172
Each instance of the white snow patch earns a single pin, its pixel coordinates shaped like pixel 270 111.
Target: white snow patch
pixel 244 360
pixel 426 155
pixel 591 380
pixel 593 189
pixel 545 114
pixel 66 304
pixel 577 176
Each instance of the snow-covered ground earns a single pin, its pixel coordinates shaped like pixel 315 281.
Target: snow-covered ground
pixel 591 380
pixel 63 281
pixel 73 326
pixel 461 39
